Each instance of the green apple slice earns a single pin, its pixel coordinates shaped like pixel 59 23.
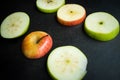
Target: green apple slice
pixel 67 63
pixel 101 26
pixel 15 25
pixel 49 6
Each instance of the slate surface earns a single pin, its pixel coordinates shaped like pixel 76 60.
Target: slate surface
pixel 103 57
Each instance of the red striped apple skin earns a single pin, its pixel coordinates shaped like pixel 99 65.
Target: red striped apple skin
pixel 72 23
pixel 36 44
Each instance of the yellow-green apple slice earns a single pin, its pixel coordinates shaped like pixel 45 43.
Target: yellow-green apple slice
pixel 101 26
pixel 71 14
pixel 15 25
pixel 67 63
pixel 36 44
pixel 49 6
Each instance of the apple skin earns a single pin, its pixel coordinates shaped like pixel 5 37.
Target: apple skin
pixel 36 44
pixel 101 36
pixel 69 22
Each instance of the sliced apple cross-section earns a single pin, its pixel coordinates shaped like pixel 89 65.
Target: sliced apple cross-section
pixel 15 25
pixel 71 14
pixel 101 26
pixel 67 63
pixel 49 6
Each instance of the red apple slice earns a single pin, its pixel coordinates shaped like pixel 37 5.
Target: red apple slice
pixel 36 44
pixel 71 14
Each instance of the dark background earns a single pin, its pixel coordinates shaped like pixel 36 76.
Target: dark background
pixel 103 57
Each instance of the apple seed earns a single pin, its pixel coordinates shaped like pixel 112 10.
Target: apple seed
pixel 71 11
pixel 49 1
pixel 67 61
pixel 101 23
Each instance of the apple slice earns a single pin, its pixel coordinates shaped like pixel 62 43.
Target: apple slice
pixel 67 63
pixel 71 14
pixel 49 6
pixel 101 26
pixel 36 44
pixel 15 25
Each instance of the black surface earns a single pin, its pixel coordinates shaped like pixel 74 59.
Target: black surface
pixel 103 57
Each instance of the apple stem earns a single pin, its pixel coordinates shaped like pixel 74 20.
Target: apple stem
pixel 41 38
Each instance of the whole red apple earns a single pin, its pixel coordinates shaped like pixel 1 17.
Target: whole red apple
pixel 36 44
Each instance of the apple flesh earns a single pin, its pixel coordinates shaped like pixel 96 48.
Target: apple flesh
pixel 101 26
pixel 49 6
pixel 71 14
pixel 36 44
pixel 15 25
pixel 67 63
